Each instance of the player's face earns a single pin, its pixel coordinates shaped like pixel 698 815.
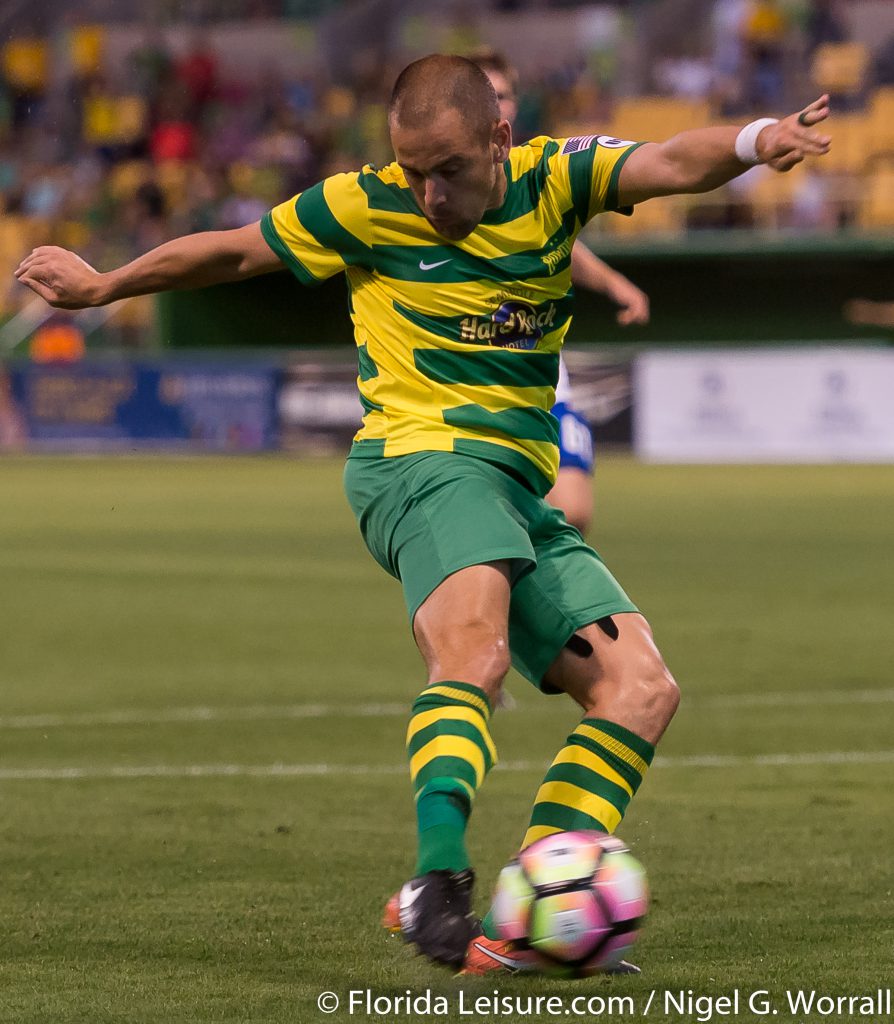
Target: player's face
pixel 453 174
pixel 505 95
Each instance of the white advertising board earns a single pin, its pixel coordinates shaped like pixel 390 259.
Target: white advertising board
pixel 782 405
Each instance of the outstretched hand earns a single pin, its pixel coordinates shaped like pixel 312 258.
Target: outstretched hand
pixel 786 143
pixel 61 277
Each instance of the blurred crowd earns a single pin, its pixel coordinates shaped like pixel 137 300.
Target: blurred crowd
pixel 112 164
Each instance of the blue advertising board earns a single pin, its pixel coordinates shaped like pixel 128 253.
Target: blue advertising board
pixel 122 405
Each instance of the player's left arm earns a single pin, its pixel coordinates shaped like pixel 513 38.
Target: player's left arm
pixel 589 271
pixel 705 158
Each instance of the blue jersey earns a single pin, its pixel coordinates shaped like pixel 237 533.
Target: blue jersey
pixel 575 439
pixel 575 435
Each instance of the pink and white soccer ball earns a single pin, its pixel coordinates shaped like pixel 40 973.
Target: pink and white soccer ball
pixel 576 899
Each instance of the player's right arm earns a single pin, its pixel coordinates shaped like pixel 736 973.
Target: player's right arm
pixel 705 158
pixel 193 261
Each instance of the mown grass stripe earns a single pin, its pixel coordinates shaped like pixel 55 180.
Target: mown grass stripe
pixel 270 712
pixel 502 367
pixel 65 773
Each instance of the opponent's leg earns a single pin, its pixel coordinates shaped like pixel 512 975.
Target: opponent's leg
pixel 462 632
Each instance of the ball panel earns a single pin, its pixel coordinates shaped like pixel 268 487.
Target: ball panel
pixel 512 903
pixel 621 884
pixel 567 926
pixel 561 857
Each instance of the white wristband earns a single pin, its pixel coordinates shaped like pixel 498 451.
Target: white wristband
pixel 746 140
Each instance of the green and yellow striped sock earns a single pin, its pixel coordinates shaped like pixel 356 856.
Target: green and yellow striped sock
pixel 591 781
pixel 588 785
pixel 450 753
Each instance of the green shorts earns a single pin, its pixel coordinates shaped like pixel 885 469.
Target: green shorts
pixel 426 516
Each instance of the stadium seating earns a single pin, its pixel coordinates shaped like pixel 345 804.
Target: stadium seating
pixel 881 122
pixel 877 209
pixel 840 68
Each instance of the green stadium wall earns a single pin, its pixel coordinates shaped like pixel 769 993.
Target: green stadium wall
pixel 764 290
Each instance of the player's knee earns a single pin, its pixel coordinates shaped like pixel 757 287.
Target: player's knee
pixel 647 695
pixel 474 654
pixel 491 668
pixel 487 663
pixel 662 694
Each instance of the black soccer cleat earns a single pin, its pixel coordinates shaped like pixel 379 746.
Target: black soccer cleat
pixel 436 915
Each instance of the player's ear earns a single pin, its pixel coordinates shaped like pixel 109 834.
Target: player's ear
pixel 501 141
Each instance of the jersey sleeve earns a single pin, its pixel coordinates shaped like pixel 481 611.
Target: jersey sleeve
pixel 589 167
pixel 321 231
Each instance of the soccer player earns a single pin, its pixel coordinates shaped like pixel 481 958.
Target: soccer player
pixel 458 261
pixel 573 490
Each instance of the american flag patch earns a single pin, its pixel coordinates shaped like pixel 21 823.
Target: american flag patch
pixel 578 143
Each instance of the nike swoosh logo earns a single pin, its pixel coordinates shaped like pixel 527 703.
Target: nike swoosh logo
pixel 431 266
pixel 407 899
pixel 506 961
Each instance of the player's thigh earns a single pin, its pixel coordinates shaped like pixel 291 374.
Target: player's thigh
pixel 570 588
pixel 462 627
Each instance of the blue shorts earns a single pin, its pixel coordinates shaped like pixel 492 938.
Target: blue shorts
pixel 575 439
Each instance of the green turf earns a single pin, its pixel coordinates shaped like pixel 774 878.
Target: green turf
pixel 150 585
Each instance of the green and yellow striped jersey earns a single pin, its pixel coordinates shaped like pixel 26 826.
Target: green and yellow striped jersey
pixel 458 342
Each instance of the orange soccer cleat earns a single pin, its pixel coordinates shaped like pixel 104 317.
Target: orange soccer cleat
pixel 486 955
pixel 483 955
pixel 391 915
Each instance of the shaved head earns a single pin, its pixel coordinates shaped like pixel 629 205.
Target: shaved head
pixel 429 86
pixel 450 142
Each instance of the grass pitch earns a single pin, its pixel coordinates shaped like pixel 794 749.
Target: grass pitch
pixel 173 628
